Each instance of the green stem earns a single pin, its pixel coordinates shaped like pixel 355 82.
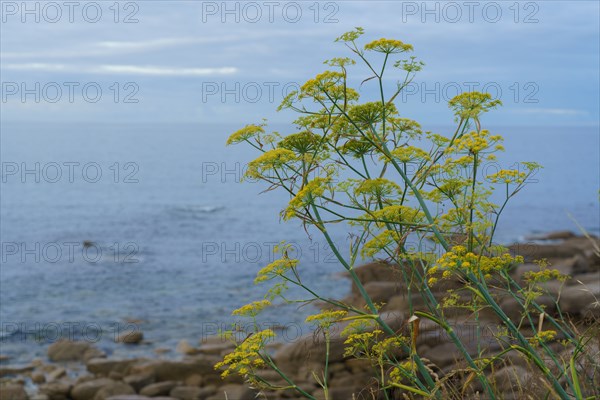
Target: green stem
pixel 484 291
pixel 326 372
pixel 472 201
pixel 363 292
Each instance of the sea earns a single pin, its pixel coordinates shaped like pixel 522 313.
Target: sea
pixel 108 228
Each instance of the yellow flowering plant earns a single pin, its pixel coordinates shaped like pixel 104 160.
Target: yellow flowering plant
pixel 365 165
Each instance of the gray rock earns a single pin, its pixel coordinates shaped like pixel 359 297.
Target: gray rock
pixel 377 272
pixel 134 337
pixel 138 381
pixel 57 390
pixel 14 370
pixel 190 392
pixel 382 291
pixel 87 390
pixel 129 397
pixel 38 378
pixel 158 389
pixel 67 350
pixel 168 370
pixel 558 235
pixel 581 299
pixel 216 349
pixel 114 389
pixel 194 380
pixel 117 376
pixel 232 391
pixel 443 355
pixel 13 392
pixel 184 347
pixel 104 367
pixel 57 373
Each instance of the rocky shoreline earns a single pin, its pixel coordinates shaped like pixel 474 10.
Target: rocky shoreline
pixel 79 371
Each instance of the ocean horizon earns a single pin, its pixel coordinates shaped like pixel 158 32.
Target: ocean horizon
pixel 109 227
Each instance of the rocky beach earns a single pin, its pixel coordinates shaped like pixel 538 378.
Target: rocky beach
pixel 80 371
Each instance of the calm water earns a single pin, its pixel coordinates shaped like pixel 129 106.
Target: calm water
pixel 177 239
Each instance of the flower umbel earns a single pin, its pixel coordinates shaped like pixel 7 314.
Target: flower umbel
pixel 472 104
pixel 268 161
pixel 276 268
pixel 388 46
pixel 326 318
pixel 246 357
pixel 307 195
pixel 252 309
pixel 245 133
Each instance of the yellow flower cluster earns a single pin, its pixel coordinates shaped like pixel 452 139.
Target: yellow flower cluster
pixel 339 93
pixel 432 281
pixel 378 187
pixel 475 142
pixel 245 133
pixel 361 337
pixel 351 35
pixel 403 215
pixel 381 241
pixel 246 357
pixel 388 46
pixel 410 153
pixel 455 219
pixel 397 373
pixel 358 326
pixel 252 309
pixel 405 126
pixel 321 83
pixel 472 104
pixel 360 342
pixel 339 62
pixel 371 113
pixel 437 139
pixel 543 336
pixel 453 186
pixel 306 196
pixel 388 345
pixel 508 176
pixel 326 318
pixel 301 142
pixel 357 147
pixel 460 260
pixel 313 121
pixel 544 275
pixel 276 268
pixel 269 160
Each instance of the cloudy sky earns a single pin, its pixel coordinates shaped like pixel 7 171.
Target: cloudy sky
pixel 192 61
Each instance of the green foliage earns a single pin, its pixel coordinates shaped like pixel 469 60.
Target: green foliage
pixel 395 178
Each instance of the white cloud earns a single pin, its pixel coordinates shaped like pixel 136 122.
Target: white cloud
pixel 149 70
pixel 122 69
pixel 37 67
pixel 117 47
pixel 107 48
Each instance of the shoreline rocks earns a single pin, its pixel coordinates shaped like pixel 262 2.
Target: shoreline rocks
pixel 193 377
pixel 134 337
pixel 67 350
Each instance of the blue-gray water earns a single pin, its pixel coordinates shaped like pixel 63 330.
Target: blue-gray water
pixel 169 198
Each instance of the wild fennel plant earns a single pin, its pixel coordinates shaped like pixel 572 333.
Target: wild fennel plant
pixel 362 164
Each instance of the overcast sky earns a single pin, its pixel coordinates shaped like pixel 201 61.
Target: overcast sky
pixel 195 61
